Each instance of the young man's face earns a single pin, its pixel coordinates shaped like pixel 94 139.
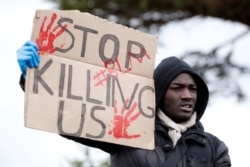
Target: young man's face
pixel 180 98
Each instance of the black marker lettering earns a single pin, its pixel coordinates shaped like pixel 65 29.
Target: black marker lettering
pixel 88 90
pixel 108 90
pixel 38 78
pixel 135 55
pixel 85 34
pixel 102 133
pixel 115 82
pixel 60 22
pixel 145 88
pixel 62 78
pixel 102 44
pixel 69 94
pixel 60 120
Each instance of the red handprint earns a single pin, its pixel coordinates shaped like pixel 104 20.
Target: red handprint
pixel 122 121
pixel 46 38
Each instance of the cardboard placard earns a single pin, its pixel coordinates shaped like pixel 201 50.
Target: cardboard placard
pixel 94 79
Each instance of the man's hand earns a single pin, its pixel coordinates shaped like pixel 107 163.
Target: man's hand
pixel 27 56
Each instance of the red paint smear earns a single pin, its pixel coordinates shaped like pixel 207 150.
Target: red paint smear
pixel 123 120
pixel 140 59
pixel 111 64
pixel 101 76
pixel 46 38
pixel 114 63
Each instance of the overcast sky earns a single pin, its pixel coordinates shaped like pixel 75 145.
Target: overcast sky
pixel 20 146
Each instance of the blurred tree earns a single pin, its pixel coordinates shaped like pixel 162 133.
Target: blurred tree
pixel 149 15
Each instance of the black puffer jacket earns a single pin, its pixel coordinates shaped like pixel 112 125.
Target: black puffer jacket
pixel 202 150
pixel 196 148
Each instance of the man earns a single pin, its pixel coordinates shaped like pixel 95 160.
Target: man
pixel 180 140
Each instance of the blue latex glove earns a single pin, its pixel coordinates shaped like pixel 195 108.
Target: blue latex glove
pixel 27 56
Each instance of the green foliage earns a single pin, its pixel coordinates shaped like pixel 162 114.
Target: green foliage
pixel 76 163
pixel 86 160
pixel 105 164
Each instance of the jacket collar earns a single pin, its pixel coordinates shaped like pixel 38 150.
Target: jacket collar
pixel 195 133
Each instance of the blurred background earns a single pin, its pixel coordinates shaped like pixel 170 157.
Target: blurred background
pixel 213 36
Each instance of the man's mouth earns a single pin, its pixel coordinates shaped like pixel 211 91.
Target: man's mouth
pixel 187 107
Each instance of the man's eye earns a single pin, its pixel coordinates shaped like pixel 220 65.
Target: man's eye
pixel 176 88
pixel 193 88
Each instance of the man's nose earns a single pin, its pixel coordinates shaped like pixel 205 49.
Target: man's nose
pixel 187 94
